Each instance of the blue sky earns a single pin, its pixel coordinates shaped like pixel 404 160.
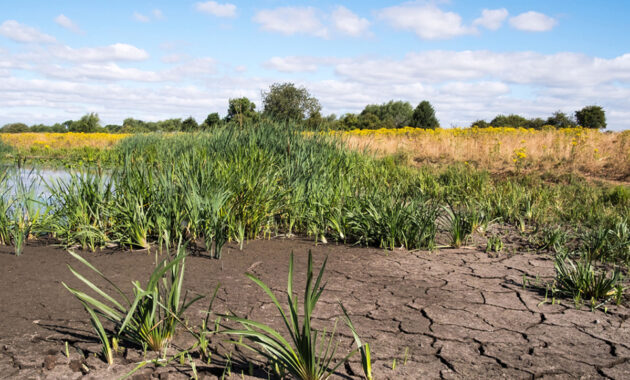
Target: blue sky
pixel 161 59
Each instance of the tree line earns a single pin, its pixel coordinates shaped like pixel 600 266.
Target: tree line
pixel 287 103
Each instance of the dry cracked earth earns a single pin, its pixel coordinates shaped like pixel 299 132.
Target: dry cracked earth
pixel 445 314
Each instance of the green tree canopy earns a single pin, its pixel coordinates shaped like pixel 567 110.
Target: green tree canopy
pixel 424 116
pixel 190 125
pixel 88 123
pixel 591 117
pixel 14 128
pixel 393 114
pixel 286 102
pixel 560 120
pixel 480 124
pixel 514 121
pixel 212 121
pixel 241 111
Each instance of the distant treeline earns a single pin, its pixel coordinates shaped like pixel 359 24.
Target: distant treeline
pixel 284 102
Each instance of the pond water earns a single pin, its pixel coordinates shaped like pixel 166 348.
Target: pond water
pixel 32 179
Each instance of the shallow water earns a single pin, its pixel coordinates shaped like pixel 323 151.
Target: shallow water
pixel 31 180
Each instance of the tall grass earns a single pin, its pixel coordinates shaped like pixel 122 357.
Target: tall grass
pixel 244 184
pixel 269 180
pixel 587 151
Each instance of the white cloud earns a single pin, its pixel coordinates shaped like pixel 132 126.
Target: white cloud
pixel 140 17
pixel 292 20
pixel 492 18
pixel 561 69
pixel 66 23
pixel 348 22
pixel 217 9
pixel 24 33
pixel 291 64
pixel 102 72
pixel 427 21
pixel 155 14
pixel 172 58
pixel 301 64
pixel 56 83
pixel 115 52
pixel 533 22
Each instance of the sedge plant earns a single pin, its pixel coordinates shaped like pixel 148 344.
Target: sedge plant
pixel 149 318
pixel 308 353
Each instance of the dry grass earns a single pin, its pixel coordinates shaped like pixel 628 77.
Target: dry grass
pixel 585 151
pixel 28 140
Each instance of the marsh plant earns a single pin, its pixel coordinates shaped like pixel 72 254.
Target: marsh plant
pixel 494 244
pixel 82 209
pixel 22 211
pixel 308 353
pixel 580 280
pixel 458 223
pixel 149 318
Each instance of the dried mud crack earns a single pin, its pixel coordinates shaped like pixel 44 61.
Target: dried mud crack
pixel 449 314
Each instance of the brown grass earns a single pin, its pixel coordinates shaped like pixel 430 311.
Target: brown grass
pixel 588 152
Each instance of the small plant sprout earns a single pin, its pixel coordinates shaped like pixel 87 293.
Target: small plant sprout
pixel 495 244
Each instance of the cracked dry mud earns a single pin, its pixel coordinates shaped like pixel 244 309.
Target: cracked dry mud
pixel 445 314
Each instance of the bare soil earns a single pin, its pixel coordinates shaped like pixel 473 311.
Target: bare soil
pixel 445 314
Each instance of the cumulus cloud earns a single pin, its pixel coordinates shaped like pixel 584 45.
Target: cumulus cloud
pixel 560 69
pixel 297 64
pixel 63 83
pixel 24 33
pixel 292 20
pixel 66 23
pixel 347 22
pixel 102 72
pixel 492 18
pixel 291 64
pixel 533 22
pixel 428 21
pixel 114 52
pixel 217 9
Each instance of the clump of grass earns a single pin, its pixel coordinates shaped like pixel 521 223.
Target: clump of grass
pixel 147 320
pixel 494 244
pixel 299 355
pixel 458 225
pixel 580 280
pixel 82 209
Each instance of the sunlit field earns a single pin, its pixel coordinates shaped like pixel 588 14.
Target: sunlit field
pixel 586 151
pixel 43 141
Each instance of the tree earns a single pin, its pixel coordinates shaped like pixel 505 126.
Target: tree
pixel 211 121
pixel 241 111
pixel 349 121
pixel 514 121
pixel 190 125
pixel 393 114
pixel 424 116
pixel 591 117
pixel 88 123
pixel 169 125
pixel 131 125
pixel 535 123
pixel 14 128
pixel 480 124
pixel 285 102
pixel 560 120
